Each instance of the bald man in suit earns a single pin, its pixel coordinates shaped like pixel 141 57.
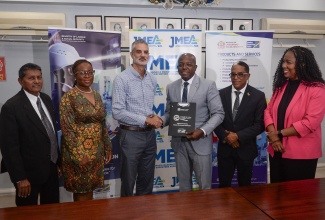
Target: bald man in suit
pixel 194 152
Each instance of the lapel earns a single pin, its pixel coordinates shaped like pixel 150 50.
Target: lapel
pixel 228 103
pixel 178 89
pixel 194 87
pixel 49 107
pixel 31 113
pixel 295 98
pixel 244 104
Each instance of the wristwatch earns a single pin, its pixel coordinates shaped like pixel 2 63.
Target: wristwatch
pixel 280 135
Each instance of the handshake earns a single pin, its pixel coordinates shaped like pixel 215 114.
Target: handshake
pixel 154 121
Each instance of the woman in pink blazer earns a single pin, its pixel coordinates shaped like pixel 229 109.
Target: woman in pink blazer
pixel 294 115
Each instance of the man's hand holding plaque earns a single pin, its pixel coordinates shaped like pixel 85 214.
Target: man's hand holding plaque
pixel 182 119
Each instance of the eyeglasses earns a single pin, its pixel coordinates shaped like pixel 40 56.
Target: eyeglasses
pixel 89 73
pixel 239 75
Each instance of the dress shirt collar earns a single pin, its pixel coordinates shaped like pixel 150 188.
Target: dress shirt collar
pixel 136 74
pixel 242 90
pixel 189 81
pixel 31 97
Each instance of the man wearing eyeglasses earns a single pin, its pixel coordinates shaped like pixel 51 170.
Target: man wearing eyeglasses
pixel 194 151
pixel 244 115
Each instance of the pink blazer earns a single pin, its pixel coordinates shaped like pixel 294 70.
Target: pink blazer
pixel 305 113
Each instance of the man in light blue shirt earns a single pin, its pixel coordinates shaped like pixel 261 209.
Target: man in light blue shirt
pixel 133 97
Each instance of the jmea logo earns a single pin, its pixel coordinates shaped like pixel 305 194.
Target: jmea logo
pixel 152 41
pixel 159 137
pixel 175 181
pixel 159 110
pixel 159 90
pixel 158 182
pixel 184 41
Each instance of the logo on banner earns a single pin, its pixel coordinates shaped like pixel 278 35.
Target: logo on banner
pixel 165 158
pixel 159 90
pixel 159 137
pixel 105 188
pixel 163 64
pixel 152 41
pixel 221 45
pixel 253 44
pixel 158 182
pixel 175 181
pixel 184 41
pixel 160 110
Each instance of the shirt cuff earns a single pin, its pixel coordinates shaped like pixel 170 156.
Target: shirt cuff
pixel 205 134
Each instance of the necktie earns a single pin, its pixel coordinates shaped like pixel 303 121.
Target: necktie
pixel 236 105
pixel 184 97
pixel 48 126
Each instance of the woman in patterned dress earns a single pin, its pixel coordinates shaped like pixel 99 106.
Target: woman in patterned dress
pixel 85 142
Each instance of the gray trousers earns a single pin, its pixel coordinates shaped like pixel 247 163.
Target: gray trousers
pixel 188 160
pixel 138 154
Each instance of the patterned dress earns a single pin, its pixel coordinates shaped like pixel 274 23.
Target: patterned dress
pixel 84 133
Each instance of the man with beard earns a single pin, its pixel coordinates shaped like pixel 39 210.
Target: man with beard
pixel 133 97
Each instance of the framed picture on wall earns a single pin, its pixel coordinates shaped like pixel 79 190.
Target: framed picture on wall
pixel 170 23
pixel 125 60
pixel 143 23
pixel 219 24
pixel 89 22
pixel 121 24
pixel 242 24
pixel 196 23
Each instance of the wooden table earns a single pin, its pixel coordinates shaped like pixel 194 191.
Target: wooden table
pixel 303 199
pixel 207 204
pixel 290 200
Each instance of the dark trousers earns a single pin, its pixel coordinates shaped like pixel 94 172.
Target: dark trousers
pixel 227 166
pixel 138 153
pixel 48 191
pixel 283 169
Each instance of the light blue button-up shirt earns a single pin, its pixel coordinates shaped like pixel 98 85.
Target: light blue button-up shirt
pixel 133 97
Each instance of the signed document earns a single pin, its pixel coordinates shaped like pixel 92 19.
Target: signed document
pixel 182 118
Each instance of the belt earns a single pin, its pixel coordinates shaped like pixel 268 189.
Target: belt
pixel 134 128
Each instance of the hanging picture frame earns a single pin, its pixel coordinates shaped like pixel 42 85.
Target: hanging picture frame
pixel 169 23
pixel 219 24
pixel 90 22
pixel 242 24
pixel 121 24
pixel 143 22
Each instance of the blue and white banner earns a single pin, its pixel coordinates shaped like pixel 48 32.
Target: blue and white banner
pixel 223 49
pixel 165 46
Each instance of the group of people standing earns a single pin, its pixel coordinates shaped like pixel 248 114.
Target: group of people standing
pixel 236 114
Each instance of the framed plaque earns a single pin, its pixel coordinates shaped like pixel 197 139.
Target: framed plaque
pixel 182 118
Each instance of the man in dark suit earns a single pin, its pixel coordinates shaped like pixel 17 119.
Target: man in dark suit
pixel 28 145
pixel 244 113
pixel 194 152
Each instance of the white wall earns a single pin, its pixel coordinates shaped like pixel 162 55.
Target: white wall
pixel 17 54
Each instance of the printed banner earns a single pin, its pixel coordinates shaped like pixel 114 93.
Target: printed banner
pixel 102 49
pixel 223 49
pixel 165 46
